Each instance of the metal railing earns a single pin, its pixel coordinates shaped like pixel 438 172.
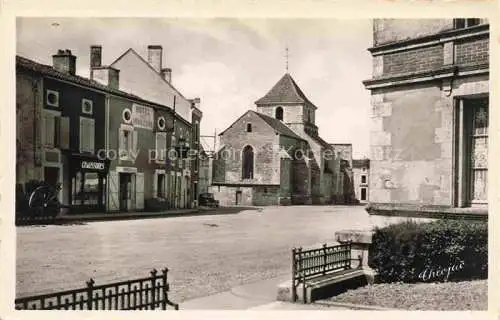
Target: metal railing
pixel 140 294
pixel 308 264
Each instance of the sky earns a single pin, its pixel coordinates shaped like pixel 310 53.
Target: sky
pixel 231 63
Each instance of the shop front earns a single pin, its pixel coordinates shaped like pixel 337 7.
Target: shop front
pixel 87 191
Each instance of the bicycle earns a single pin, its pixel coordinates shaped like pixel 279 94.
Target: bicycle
pixel 44 200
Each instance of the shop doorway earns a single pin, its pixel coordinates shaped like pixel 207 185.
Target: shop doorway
pixel 125 194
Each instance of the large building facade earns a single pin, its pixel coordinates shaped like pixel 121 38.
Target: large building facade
pixel 274 155
pixel 429 135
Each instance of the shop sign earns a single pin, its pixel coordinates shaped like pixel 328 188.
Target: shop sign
pixel 142 117
pixel 92 165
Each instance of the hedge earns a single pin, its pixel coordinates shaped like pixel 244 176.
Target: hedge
pixel 442 250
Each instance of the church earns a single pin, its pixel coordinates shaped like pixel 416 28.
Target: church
pixel 275 156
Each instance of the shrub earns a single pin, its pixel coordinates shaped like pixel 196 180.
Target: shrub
pixel 437 251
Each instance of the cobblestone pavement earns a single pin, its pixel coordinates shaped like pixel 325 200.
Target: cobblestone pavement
pixel 205 254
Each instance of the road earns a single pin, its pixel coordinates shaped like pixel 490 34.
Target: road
pixel 205 254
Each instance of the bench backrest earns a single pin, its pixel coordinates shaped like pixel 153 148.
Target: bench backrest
pixel 321 261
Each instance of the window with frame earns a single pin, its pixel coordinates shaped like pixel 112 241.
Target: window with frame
pixel 52 129
pixel 472 152
pixel 466 23
pixel 52 98
pixel 363 179
pixel 87 106
pixel 127 141
pixel 161 146
pixel 279 113
pixel 87 134
pixel 247 163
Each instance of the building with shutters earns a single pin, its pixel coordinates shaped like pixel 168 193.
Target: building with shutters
pixel 145 133
pixel 107 148
pixel 430 106
pixel 275 156
pixel 58 116
pixel 360 176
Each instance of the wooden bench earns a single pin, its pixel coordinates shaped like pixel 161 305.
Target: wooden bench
pixel 320 272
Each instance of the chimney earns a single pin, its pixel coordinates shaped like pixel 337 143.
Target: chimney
pixel 155 54
pixel 64 61
pixel 196 102
pixel 105 75
pixel 95 56
pixel 166 74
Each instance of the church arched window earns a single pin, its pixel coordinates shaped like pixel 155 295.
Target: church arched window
pixel 247 163
pixel 279 113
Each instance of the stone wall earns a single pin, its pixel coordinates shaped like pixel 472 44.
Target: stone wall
pixel 393 30
pixel 29 95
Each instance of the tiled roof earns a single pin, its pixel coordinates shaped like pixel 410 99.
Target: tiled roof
pixel 322 142
pixel 285 90
pixel 46 70
pixel 360 163
pixel 279 126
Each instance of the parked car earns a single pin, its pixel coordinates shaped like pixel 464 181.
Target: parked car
pixel 207 200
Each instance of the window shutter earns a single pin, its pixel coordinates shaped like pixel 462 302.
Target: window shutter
pixel 121 138
pixel 134 140
pixel 64 133
pixel 83 134
pixel 49 129
pixel 91 134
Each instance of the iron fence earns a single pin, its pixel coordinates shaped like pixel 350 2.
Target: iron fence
pixel 139 294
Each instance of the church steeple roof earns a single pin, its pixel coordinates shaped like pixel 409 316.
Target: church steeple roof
pixel 284 91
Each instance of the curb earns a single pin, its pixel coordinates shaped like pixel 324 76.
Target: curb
pixel 353 306
pixel 111 217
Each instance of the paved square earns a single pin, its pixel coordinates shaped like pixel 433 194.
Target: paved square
pixel 205 254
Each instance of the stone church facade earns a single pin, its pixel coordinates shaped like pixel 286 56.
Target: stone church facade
pixel 274 155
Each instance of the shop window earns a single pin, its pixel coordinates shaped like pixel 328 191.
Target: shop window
pixel 466 23
pixel 87 137
pixel 85 189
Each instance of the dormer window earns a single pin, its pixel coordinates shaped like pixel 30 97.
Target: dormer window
pixel 466 23
pixel 249 127
pixel 279 113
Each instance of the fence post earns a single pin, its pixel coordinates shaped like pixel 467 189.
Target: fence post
pixel 165 289
pixel 153 291
pixel 324 258
pixel 90 293
pixel 294 271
